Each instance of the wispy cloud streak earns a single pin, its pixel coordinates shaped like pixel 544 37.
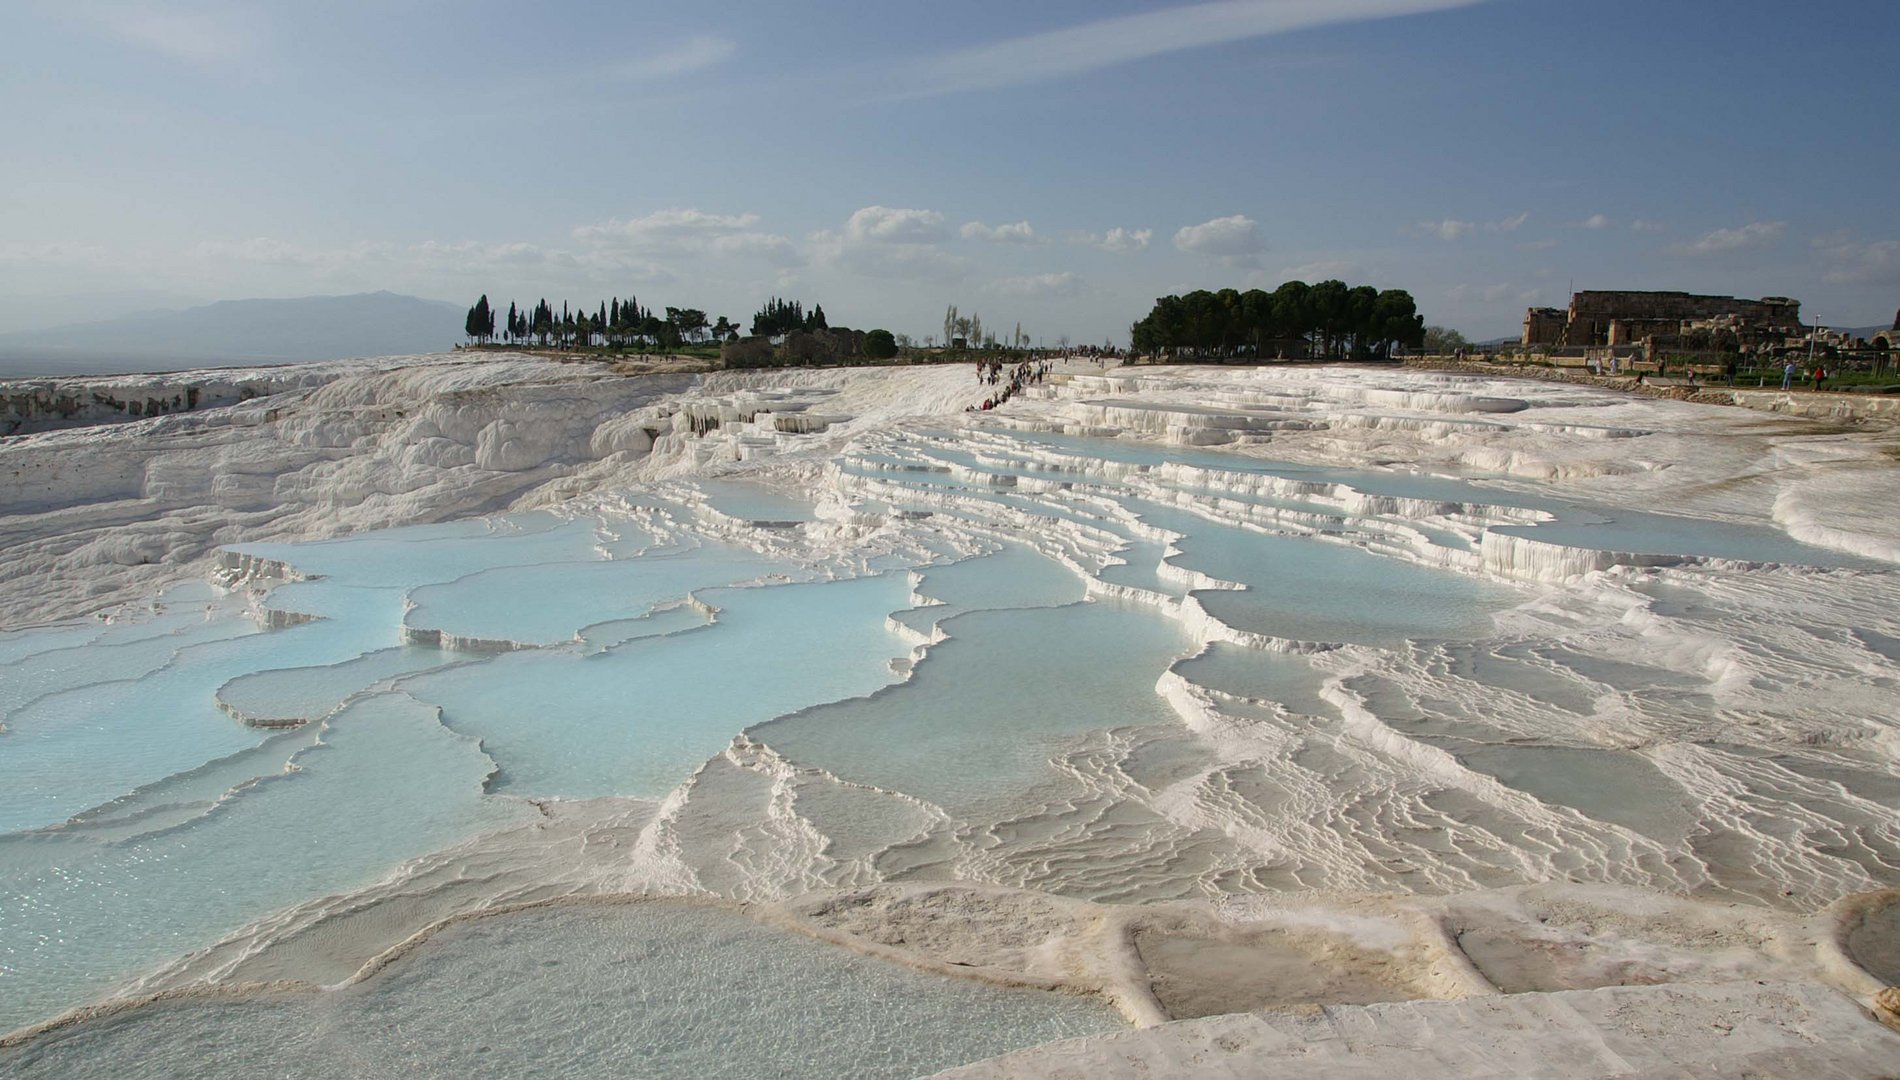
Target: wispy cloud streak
pixel 1755 234
pixel 1075 50
pixel 689 56
pixel 214 35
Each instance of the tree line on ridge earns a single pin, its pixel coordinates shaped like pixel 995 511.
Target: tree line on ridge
pixel 618 323
pixel 1330 320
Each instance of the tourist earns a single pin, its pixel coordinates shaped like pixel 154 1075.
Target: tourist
pixel 1820 376
pixel 1787 376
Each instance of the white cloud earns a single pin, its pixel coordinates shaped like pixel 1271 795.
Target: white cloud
pixel 1748 237
pixel 1062 284
pixel 477 253
pixel 270 251
pixel 1850 262
pixel 693 54
pixel 1545 244
pixel 200 38
pixel 1121 240
pixel 1448 229
pixel 1452 228
pixel 1640 225
pixel 1118 240
pixel 468 259
pixel 667 226
pixel 881 242
pixel 1017 233
pixel 58 254
pixel 685 231
pixel 1596 222
pixel 884 225
pixel 1229 238
pixel 774 249
pixel 1075 50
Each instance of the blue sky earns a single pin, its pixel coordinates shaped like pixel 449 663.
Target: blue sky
pixel 1057 164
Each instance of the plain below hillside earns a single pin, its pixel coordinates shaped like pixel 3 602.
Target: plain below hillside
pixel 238 332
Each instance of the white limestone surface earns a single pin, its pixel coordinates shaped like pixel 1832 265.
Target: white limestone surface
pixel 1774 1031
pixel 1432 700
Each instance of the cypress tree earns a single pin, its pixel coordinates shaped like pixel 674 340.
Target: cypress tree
pixel 479 323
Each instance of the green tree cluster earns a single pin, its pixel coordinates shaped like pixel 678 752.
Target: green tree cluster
pixel 1440 341
pixel 1330 320
pixel 480 323
pixel 780 317
pixel 614 323
pixel 880 344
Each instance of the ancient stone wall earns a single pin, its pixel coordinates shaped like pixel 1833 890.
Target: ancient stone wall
pixel 1678 307
pixel 1544 326
pixel 1597 318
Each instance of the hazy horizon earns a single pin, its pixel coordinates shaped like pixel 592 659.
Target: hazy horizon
pixel 239 332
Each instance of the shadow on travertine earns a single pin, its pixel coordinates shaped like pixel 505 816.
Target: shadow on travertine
pixel 1760 1030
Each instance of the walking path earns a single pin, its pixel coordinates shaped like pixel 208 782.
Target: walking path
pixel 1812 404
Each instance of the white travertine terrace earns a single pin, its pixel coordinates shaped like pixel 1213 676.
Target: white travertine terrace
pixel 1655 792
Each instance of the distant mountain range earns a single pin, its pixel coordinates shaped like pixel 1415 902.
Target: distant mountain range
pixel 238 332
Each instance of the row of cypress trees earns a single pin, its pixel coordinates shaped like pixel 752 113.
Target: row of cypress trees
pixel 618 323
pixel 614 323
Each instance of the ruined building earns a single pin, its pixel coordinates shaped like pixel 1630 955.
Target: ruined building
pixel 1631 318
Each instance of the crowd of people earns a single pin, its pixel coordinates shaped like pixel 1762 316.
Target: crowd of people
pixel 990 373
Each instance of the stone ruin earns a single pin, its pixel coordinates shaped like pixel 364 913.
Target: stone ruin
pixel 1611 319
